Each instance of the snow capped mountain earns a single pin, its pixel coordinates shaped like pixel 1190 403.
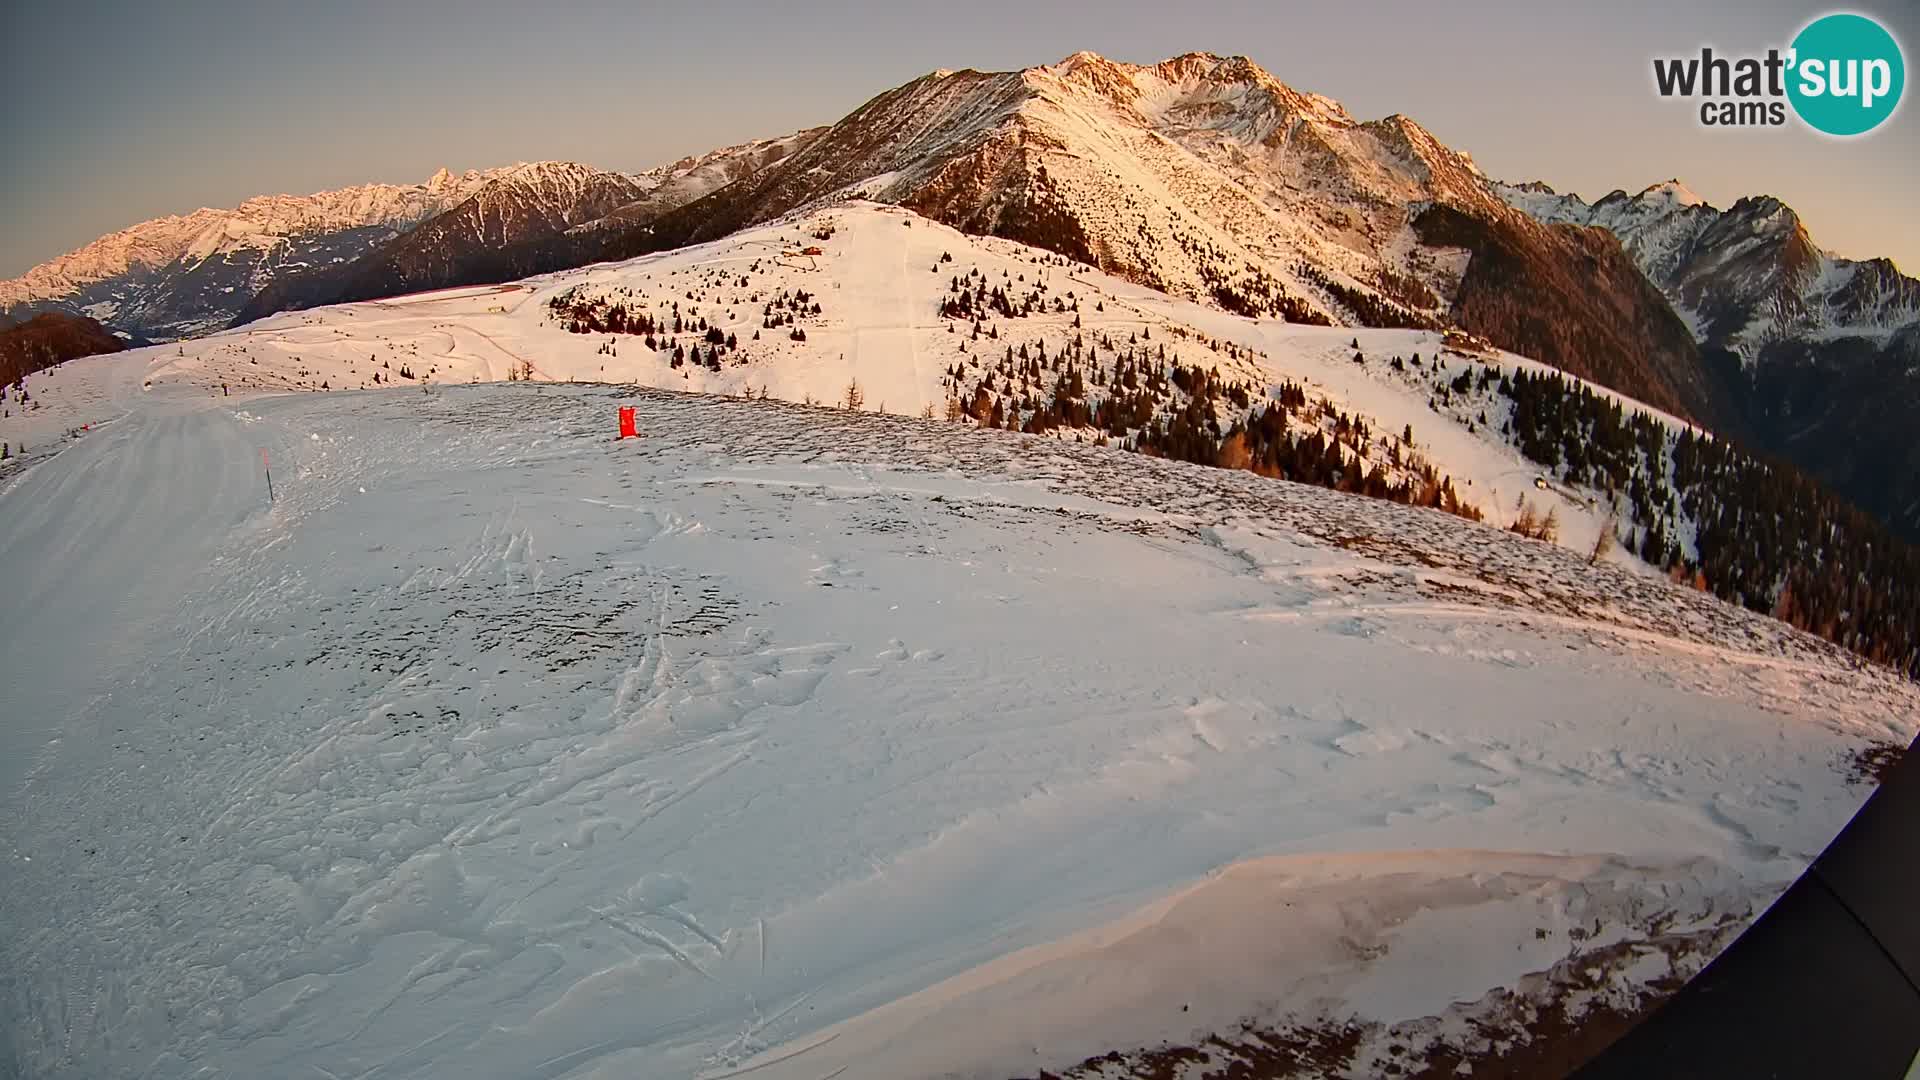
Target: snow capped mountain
pixel 186 274
pixel 516 204
pixel 524 200
pixel 1745 276
pixel 1207 178
pixel 690 178
pixel 258 222
pixel 1201 176
pixel 1820 355
pixel 524 206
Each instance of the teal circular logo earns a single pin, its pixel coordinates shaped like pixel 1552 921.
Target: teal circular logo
pixel 1847 74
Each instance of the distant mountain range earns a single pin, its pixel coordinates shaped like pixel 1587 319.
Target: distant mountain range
pixel 531 204
pixel 1201 176
pixel 192 274
pixel 1819 356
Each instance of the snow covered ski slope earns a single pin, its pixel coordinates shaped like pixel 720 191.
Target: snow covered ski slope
pixel 879 282
pixel 816 743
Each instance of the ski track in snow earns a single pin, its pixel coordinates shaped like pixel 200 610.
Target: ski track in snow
pixel 495 747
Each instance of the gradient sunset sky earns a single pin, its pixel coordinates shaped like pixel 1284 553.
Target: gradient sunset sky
pixel 122 111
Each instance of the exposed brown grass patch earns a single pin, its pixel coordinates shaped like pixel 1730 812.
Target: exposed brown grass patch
pixel 1551 1024
pixel 1874 763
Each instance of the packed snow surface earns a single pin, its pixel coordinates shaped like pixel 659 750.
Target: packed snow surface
pixel 802 740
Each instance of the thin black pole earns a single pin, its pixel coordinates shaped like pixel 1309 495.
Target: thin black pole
pixel 269 469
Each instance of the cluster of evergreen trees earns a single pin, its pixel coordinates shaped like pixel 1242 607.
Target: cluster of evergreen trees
pixel 19 390
pixel 1771 538
pixel 1265 445
pixel 582 313
pixel 969 297
pixel 1588 437
pixel 1370 308
pixel 784 309
pixel 1765 536
pixel 1573 299
pixel 405 372
pixel 585 313
pixel 1247 289
pixel 1137 394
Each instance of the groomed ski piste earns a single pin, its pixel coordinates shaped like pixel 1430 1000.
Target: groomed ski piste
pixel 793 741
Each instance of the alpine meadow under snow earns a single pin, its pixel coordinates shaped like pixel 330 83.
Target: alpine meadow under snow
pixel 796 740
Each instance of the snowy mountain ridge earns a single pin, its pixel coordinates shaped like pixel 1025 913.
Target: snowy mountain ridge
pixel 1207 178
pixel 260 222
pixel 188 274
pixel 1745 276
pixel 522 203
pixel 695 176
pixel 1235 167
pixel 263 222
pixel 473 241
pixel 1202 176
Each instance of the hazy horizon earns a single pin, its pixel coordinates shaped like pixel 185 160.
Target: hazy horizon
pixel 210 104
